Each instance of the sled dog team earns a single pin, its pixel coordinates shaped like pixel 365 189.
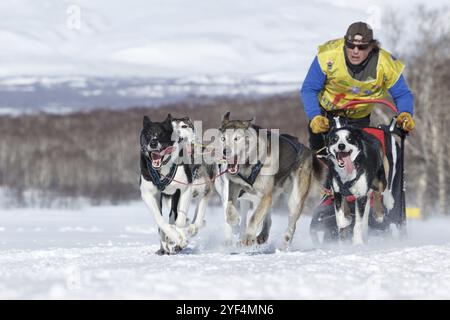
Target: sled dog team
pixel 248 164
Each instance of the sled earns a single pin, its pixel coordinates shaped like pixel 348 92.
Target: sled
pixel 323 227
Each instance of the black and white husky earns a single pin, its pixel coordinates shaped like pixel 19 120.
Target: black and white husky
pixel 165 179
pixel 359 168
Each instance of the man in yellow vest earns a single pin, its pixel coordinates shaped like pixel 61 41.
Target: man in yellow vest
pixel 353 67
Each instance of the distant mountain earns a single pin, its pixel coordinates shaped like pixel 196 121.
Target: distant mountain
pixel 67 94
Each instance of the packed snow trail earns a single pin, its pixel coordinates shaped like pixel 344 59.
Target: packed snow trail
pixel 108 253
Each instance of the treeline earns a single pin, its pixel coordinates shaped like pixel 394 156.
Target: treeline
pixel 428 66
pixel 95 155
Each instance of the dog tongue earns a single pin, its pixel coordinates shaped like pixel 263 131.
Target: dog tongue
pixel 155 156
pixel 348 164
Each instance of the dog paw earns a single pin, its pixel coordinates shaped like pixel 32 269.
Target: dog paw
pixel 388 199
pixel 262 238
pixel 345 234
pixel 161 252
pixel 183 243
pixel 193 230
pixel 248 240
pixel 176 249
pixel 343 222
pixel 379 219
pixel 358 241
pixel 177 237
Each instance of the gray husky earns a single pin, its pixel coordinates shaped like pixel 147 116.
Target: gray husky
pixel 289 169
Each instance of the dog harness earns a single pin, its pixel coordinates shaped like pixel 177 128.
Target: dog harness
pixel 191 171
pixel 345 187
pixel 281 174
pixel 155 176
pixel 253 175
pixel 287 141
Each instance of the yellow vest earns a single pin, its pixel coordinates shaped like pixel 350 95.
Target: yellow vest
pixel 340 87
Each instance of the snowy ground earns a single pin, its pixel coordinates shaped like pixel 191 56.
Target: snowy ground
pixel 108 253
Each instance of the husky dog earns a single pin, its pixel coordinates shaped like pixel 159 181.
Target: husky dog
pixel 202 176
pixel 296 166
pixel 163 178
pixel 359 168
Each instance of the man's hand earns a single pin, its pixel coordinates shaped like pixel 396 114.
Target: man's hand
pixel 406 121
pixel 319 124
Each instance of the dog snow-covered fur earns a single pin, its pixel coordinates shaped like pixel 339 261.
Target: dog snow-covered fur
pixel 296 163
pixel 359 168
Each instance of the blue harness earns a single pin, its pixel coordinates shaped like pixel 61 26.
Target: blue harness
pixel 155 177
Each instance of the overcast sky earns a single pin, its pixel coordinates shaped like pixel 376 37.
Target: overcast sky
pixel 274 39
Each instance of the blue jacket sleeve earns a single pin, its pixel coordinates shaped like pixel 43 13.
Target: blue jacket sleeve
pixel 402 96
pixel 313 84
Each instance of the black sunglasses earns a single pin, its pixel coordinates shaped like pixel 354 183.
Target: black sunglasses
pixel 351 45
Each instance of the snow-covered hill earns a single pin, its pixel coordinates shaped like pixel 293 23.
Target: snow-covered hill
pixel 275 39
pixel 108 252
pixel 64 94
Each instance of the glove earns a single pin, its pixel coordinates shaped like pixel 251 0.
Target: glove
pixel 319 124
pixel 406 121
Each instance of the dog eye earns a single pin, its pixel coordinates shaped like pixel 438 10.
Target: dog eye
pixel 236 138
pixel 184 126
pixel 223 138
pixel 350 139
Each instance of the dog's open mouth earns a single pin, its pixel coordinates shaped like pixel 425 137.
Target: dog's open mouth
pixel 157 156
pixel 156 159
pixel 344 160
pixel 232 165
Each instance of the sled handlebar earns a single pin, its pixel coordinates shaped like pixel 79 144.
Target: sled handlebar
pixel 392 126
pixel 353 103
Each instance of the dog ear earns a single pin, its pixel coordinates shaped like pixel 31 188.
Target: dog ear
pixel 169 117
pixel 146 122
pixel 248 123
pixel 226 117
